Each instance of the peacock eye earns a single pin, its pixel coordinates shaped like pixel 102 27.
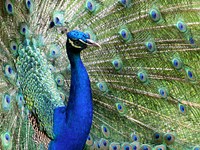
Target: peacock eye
pixel 117 64
pixel 20 100
pixel 9 7
pixel 163 92
pixel 6 102
pixel 114 146
pixel 58 18
pixel 190 74
pixel 105 131
pixel 24 30
pixel 102 86
pixel 120 108
pixel 125 34
pixel 177 63
pixel 59 79
pixel 145 147
pixel 62 96
pixel 7 99
pixel 54 51
pixel 13 46
pixel 8 71
pixel 126 146
pixel 150 46
pixel 182 108
pixel 103 143
pixel 29 5
pixel 157 137
pixel 5 138
pixel 135 145
pixel 191 40
pixel 160 147
pixel 142 76
pixel 51 68
pixel 98 145
pixel 169 138
pixel 89 141
pixel 135 137
pixel 155 15
pixel 76 42
pixel 181 26
pixel 123 2
pixel 91 5
pixel 196 148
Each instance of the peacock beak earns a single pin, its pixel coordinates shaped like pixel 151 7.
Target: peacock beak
pixel 90 42
pixel 93 43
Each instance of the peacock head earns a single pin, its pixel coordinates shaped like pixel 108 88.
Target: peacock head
pixel 77 41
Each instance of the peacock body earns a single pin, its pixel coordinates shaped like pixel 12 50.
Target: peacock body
pixel 144 78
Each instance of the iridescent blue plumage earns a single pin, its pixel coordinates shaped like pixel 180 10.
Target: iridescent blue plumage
pixel 72 123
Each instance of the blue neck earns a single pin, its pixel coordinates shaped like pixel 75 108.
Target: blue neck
pixel 72 123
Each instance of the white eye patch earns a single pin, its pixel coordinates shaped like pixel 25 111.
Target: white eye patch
pixel 72 43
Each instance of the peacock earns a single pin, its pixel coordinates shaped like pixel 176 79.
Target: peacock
pixel 100 75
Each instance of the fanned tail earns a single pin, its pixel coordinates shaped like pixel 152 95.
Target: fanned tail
pixel 145 78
